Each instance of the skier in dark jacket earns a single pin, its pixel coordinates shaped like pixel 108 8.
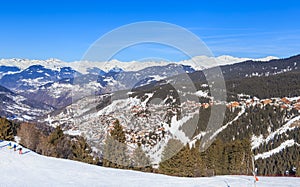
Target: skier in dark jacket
pixel 15 147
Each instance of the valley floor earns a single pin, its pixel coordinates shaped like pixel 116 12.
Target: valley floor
pixel 31 169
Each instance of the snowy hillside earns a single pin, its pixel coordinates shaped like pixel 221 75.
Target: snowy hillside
pixel 18 107
pixel 31 169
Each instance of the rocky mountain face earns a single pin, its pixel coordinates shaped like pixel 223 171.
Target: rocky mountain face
pixel 8 69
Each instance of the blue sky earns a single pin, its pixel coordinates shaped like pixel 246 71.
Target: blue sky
pixel 66 29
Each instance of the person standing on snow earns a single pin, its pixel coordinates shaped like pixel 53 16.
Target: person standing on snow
pixel 9 145
pixel 15 147
pixel 20 150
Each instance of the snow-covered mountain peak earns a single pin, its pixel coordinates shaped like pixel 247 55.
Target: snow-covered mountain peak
pixel 115 69
pixel 200 62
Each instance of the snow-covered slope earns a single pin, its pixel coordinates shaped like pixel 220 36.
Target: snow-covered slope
pixel 31 169
pixel 257 141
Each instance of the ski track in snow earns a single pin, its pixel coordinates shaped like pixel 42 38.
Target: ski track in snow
pixel 175 128
pixel 32 170
pixel 287 143
pixel 229 123
pixel 257 141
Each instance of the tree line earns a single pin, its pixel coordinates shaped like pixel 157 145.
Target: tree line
pixel 219 159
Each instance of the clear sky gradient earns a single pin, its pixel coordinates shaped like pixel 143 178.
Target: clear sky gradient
pixel 66 29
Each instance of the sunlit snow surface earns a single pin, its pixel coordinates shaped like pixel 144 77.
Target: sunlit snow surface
pixel 31 169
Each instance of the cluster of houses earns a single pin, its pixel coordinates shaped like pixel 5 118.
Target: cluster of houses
pixel 142 125
pixel 145 137
pixel 284 103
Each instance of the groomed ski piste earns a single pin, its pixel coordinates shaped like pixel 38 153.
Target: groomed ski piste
pixel 32 169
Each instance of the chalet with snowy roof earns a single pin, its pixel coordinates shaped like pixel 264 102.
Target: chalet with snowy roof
pixel 233 104
pixel 297 106
pixel 286 101
pixel 266 101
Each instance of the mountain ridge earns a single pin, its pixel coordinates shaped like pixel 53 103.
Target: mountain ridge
pixel 83 66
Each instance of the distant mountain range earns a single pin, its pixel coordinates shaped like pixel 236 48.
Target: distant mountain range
pixel 85 67
pixel 54 84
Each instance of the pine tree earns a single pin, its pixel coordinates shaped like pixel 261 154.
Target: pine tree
pixel 171 157
pixel 29 135
pixel 55 145
pixel 56 135
pixel 181 160
pixel 6 129
pixel 187 162
pixel 140 160
pixel 81 151
pixel 234 156
pixel 115 148
pixel 198 165
pixel 246 166
pixel 63 147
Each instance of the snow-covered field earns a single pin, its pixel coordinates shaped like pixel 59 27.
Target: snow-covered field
pixel 31 169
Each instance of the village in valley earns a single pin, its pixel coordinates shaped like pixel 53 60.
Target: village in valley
pixel 144 122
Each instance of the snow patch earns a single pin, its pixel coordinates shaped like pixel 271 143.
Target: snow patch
pixel 256 141
pixel 229 123
pixel 201 93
